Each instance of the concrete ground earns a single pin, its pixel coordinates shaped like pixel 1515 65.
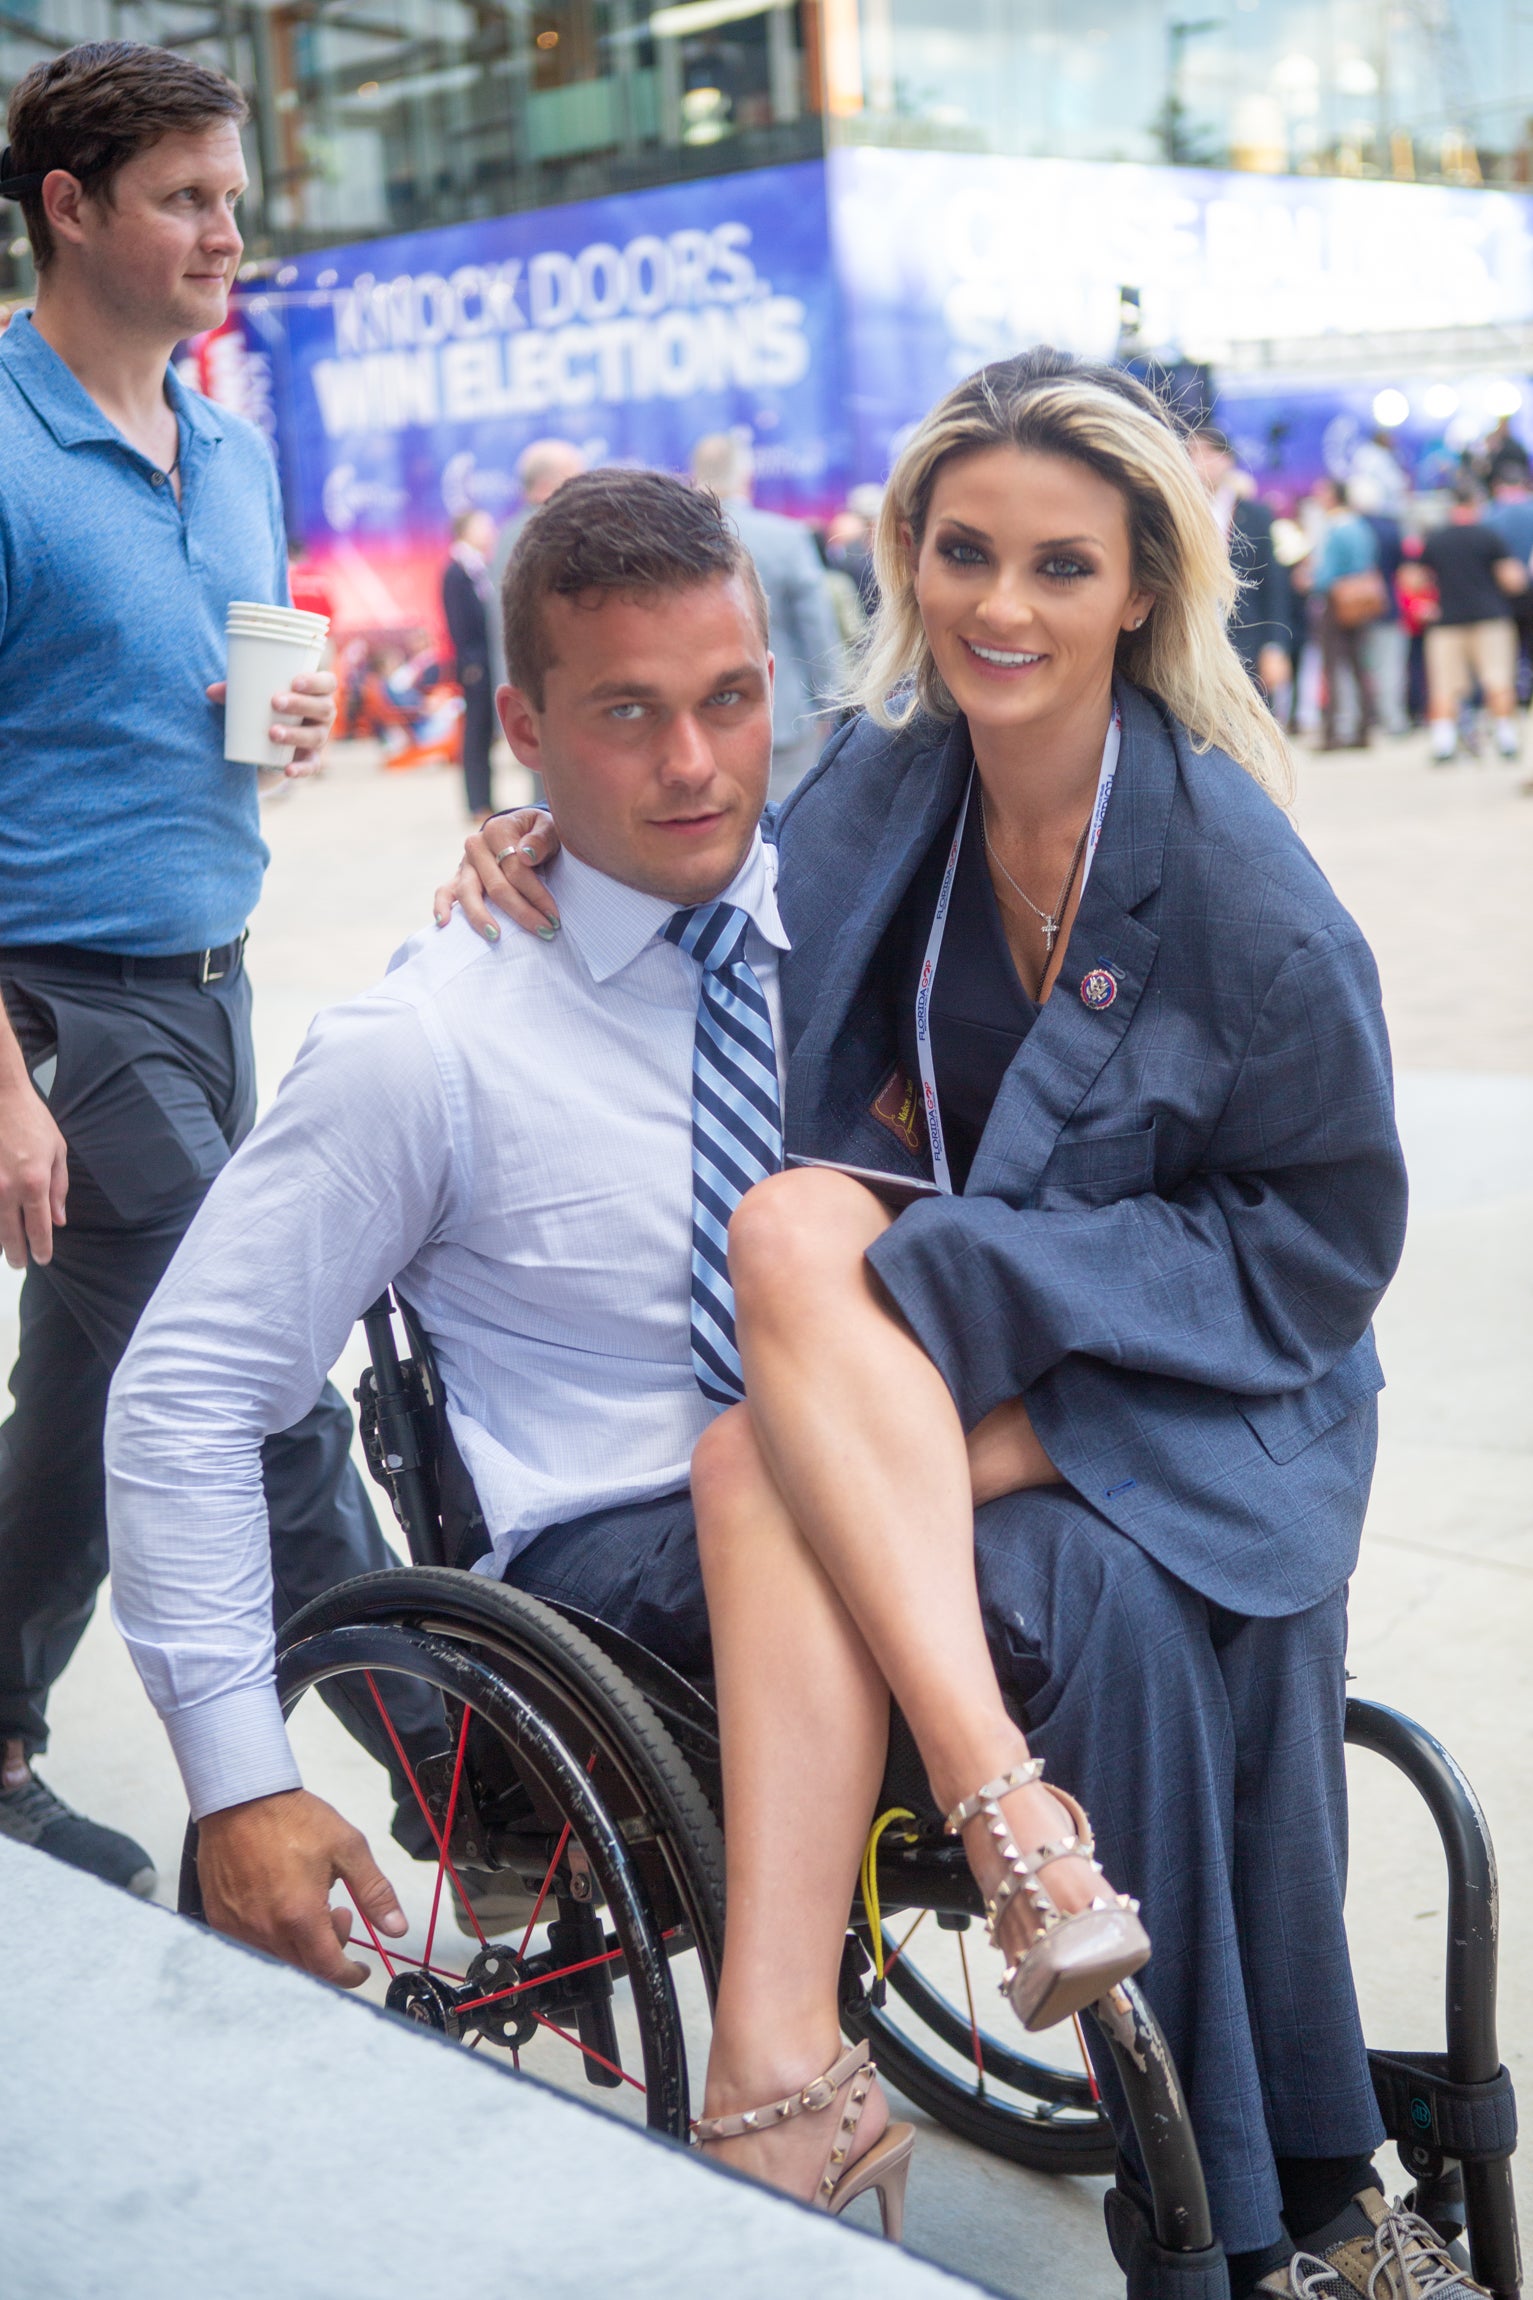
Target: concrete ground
pixel 1437 866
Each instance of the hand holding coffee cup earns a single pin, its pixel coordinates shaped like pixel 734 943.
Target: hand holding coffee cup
pixel 273 677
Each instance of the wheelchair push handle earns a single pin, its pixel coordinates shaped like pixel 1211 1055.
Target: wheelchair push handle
pixel 1477 2093
pixel 397 1457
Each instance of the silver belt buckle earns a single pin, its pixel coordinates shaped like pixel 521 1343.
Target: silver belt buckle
pixel 207 975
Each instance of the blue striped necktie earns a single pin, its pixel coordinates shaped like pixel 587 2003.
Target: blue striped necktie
pixel 736 1125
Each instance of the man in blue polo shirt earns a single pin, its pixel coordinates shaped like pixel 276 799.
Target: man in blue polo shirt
pixel 132 512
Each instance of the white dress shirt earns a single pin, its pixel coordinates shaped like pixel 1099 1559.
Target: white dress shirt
pixel 506 1130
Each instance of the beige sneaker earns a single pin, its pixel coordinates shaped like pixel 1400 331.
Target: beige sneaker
pixel 1304 2277
pixel 1379 2251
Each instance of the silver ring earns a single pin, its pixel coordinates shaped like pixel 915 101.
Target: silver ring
pixel 500 858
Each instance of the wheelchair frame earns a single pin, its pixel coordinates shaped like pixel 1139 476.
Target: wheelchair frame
pixel 1451 2115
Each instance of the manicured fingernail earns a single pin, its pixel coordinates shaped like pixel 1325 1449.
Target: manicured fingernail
pixel 546 933
pixel 530 851
pixel 490 933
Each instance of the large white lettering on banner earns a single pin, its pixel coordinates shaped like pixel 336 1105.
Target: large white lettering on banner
pixel 949 259
pixel 662 318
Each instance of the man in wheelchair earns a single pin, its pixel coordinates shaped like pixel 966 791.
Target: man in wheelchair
pixel 525 1133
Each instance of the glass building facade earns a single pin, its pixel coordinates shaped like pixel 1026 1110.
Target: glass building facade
pixel 378 116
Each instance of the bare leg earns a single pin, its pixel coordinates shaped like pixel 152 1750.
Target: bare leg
pixel 804 1723
pixel 864 1444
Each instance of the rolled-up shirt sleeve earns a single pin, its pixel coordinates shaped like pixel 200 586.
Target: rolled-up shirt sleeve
pixel 327 1202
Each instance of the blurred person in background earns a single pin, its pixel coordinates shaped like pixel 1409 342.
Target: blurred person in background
pixel 849 541
pixel 541 471
pixel 845 604
pixel 1511 515
pixel 1498 457
pixel 1472 638
pixel 1347 593
pixel 1385 641
pixel 469 611
pixel 1262 625
pixel 133 511
pixel 1377 458
pixel 806 645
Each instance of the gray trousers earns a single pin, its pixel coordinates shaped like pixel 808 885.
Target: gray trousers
pixel 1207 1748
pixel 152 1084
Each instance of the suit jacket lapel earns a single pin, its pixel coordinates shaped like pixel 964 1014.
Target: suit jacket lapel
pixel 837 950
pixel 1070 1041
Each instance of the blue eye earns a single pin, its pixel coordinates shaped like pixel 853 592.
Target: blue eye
pixel 1065 570
pixel 626 711
pixel 962 554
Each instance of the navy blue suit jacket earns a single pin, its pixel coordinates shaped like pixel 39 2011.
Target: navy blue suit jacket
pixel 1186 1204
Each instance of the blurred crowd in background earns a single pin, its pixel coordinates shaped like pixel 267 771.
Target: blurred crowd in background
pixel 1370 607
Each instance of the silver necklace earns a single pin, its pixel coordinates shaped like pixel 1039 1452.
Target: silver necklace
pixel 1048 920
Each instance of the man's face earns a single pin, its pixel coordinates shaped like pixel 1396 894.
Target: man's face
pixel 160 252
pixel 654 739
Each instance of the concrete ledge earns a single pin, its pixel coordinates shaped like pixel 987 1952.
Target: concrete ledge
pixel 182 2118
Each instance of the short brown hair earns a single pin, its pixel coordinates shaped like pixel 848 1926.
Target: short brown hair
pixel 614 531
pixel 98 106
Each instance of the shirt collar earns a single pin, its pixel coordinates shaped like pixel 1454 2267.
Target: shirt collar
pixel 62 402
pixel 611 923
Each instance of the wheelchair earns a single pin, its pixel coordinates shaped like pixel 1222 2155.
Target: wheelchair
pixel 581 1773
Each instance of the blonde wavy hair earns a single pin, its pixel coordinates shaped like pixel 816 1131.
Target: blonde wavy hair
pixel 1047 403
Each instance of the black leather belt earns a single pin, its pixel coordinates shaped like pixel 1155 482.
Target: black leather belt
pixel 200 966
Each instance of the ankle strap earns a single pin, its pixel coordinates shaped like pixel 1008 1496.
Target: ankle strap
pixel 820 2094
pixel 1020 1777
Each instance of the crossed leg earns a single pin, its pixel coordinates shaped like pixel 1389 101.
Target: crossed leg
pixel 835 1520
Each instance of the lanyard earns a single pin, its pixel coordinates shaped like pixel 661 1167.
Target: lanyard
pixel 941 1172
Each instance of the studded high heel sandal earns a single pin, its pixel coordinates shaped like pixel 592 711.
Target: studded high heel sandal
pixel 884 2166
pixel 1075 1958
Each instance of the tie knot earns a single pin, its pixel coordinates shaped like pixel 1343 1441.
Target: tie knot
pixel 713 933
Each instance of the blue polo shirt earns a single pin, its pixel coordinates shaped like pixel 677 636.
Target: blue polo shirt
pixel 121 826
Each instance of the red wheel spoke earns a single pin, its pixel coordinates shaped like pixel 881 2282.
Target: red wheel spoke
pixel 610 2065
pixel 891 1962
pixel 1091 2074
pixel 549 1874
pixel 541 1980
pixel 443 1972
pixel 452 1809
pixel 968 1990
pixel 548 1878
pixel 388 1963
pixel 437 1838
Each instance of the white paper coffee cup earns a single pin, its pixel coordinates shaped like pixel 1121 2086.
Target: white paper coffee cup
pixel 267 646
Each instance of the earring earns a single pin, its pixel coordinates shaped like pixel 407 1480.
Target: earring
pixel 1138 622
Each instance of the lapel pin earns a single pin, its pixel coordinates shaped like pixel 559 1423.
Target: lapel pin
pixel 1098 989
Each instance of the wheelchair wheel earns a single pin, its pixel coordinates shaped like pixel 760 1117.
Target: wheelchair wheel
pixel 927 2036
pixel 525 1760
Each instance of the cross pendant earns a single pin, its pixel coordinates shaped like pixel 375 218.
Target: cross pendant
pixel 1050 930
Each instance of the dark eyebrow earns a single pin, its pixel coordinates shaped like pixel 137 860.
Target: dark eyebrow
pixel 1053 543
pixel 635 691
pixel 621 691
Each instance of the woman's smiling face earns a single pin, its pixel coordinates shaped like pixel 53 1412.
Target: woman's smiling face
pixel 1024 582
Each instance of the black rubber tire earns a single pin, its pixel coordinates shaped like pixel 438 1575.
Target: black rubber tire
pixel 537 1638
